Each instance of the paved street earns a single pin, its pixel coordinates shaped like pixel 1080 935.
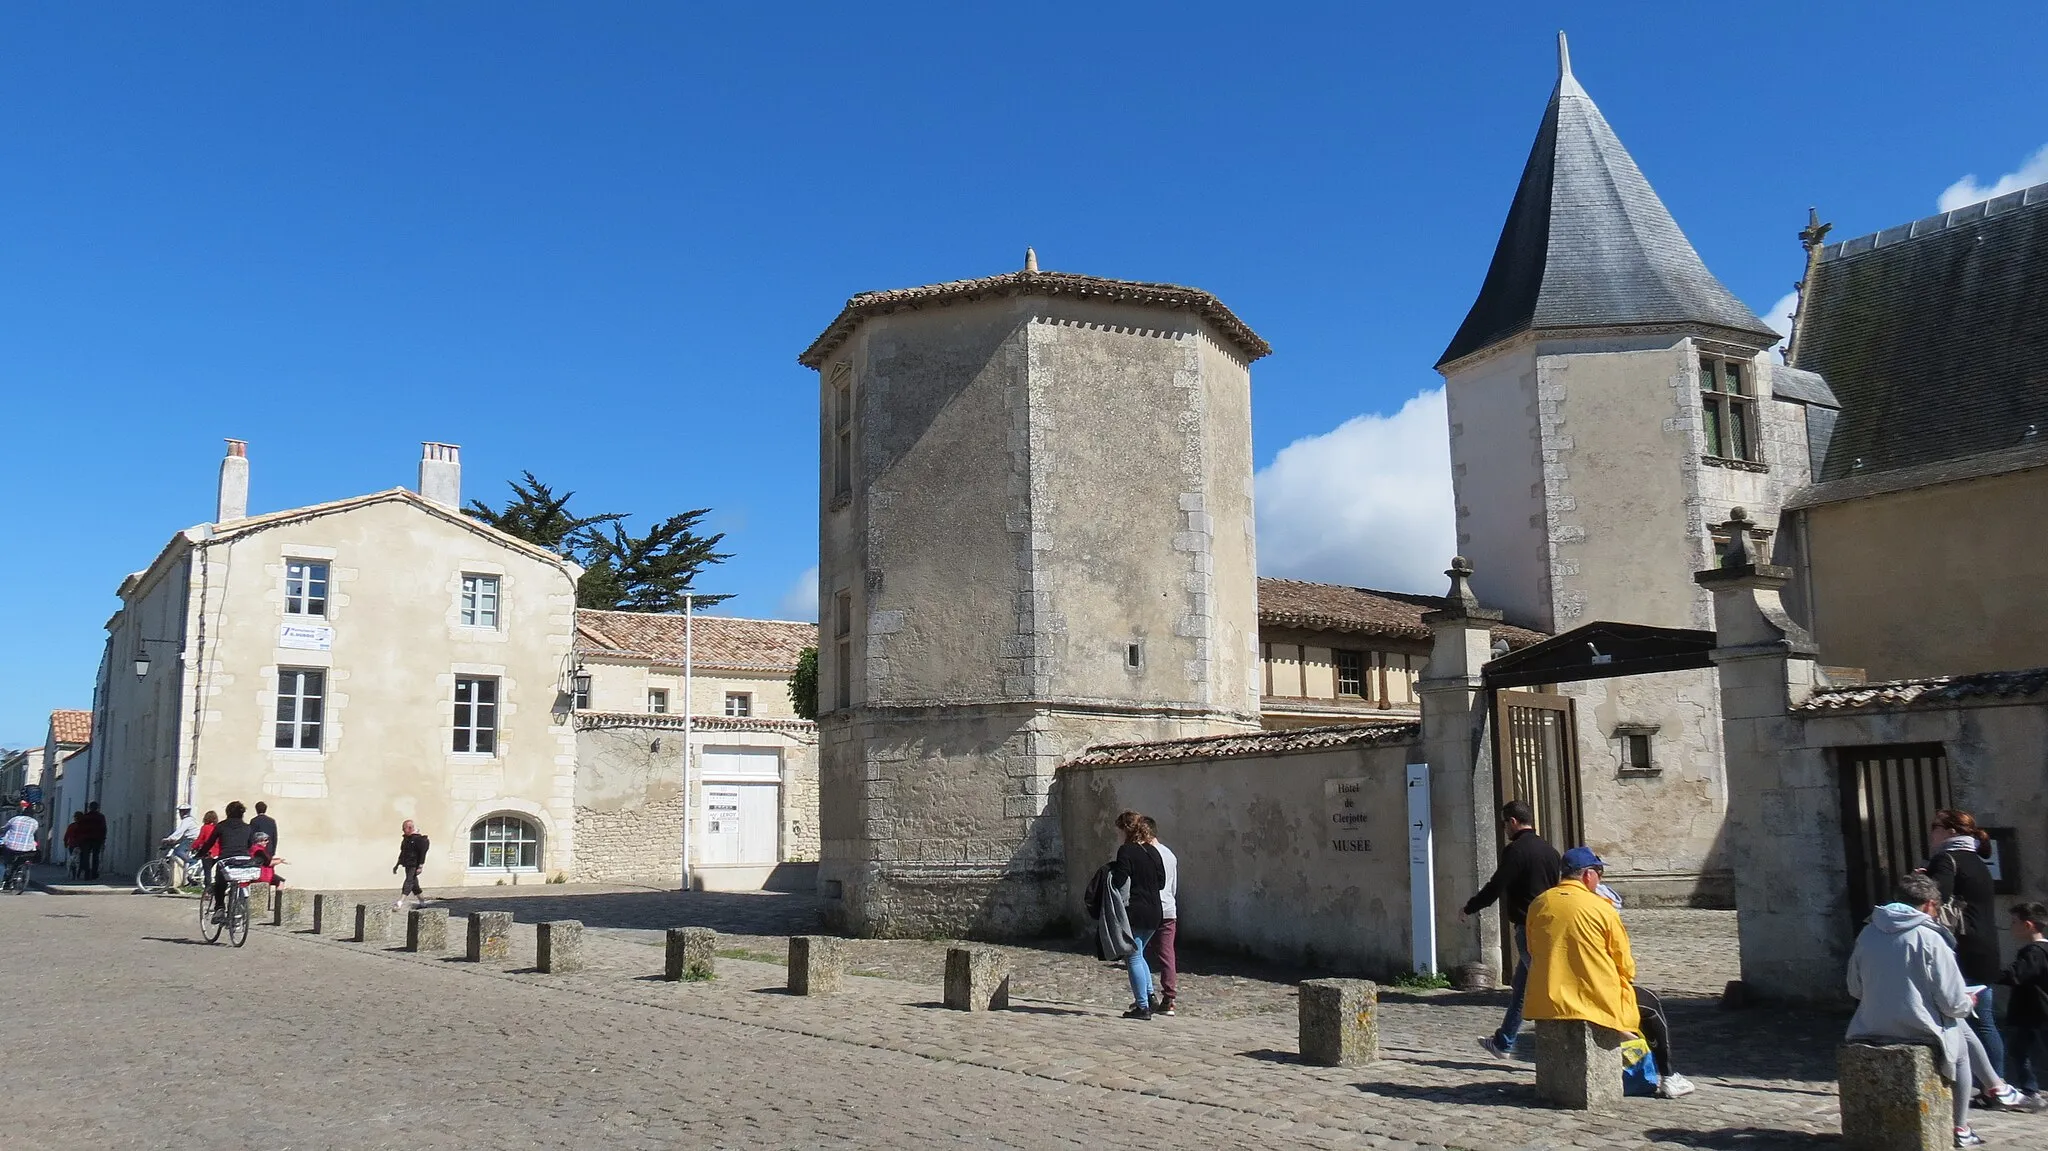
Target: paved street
pixel 317 1042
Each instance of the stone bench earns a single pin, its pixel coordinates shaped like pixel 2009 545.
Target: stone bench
pixel 817 965
pixel 1578 1065
pixel 1339 1021
pixel 490 936
pixel 1893 1098
pixel 558 947
pixel 373 922
pixel 293 908
pixel 426 930
pixel 692 954
pixel 332 913
pixel 259 901
pixel 978 979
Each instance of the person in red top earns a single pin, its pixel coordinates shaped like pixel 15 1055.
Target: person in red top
pixel 259 854
pixel 72 844
pixel 206 845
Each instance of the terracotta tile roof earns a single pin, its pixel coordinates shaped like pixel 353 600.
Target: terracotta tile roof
pixel 1938 691
pixel 1249 743
pixel 720 642
pixel 71 726
pixel 1035 283
pixel 1393 614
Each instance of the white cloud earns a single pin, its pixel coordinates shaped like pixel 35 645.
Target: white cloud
pixel 2034 170
pixel 801 600
pixel 1779 319
pixel 1367 504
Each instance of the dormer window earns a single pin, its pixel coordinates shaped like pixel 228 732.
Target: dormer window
pixel 1728 409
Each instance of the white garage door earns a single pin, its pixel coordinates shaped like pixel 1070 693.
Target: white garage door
pixel 740 823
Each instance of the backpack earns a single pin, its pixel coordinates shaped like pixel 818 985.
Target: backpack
pixel 1953 914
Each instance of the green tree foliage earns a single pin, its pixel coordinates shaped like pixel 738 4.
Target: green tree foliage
pixel 803 684
pixel 651 572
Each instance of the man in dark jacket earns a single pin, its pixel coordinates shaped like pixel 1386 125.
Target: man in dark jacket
pixel 234 837
pixel 264 824
pixel 1528 868
pixel 412 855
pixel 92 839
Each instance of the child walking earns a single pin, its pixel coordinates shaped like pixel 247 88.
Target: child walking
pixel 2026 1015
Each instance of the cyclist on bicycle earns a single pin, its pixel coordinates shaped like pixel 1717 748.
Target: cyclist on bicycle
pixel 18 839
pixel 181 836
pixel 232 838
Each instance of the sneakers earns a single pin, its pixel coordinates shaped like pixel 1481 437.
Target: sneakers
pixel 1968 1138
pixel 1494 1046
pixel 1674 1086
pixel 2008 1097
pixel 1144 1013
pixel 1167 1008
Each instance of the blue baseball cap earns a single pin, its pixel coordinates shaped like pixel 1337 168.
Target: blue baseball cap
pixel 1579 859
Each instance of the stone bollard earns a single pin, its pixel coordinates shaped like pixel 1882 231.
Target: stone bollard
pixel 373 922
pixel 294 908
pixel 490 935
pixel 692 954
pixel 1893 1099
pixel 1340 1024
pixel 259 901
pixel 977 979
pixel 426 929
pixel 817 965
pixel 331 913
pixel 1578 1065
pixel 558 947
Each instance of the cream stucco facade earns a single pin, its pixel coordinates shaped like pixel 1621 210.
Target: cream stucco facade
pixel 354 665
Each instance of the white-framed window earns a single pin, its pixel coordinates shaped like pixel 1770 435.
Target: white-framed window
pixel 504 843
pixel 1350 672
pixel 739 704
pixel 305 587
pixel 301 707
pixel 479 600
pixel 657 701
pixel 476 715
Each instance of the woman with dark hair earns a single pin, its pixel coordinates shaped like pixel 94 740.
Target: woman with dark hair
pixel 1958 868
pixel 1138 863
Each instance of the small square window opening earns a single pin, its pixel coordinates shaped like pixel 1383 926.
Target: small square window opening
pixel 305 587
pixel 739 704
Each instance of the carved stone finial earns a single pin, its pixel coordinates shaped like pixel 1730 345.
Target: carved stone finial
pixel 1030 260
pixel 1460 596
pixel 1564 56
pixel 1815 233
pixel 1740 551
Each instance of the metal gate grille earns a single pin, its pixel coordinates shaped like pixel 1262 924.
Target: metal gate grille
pixel 1537 761
pixel 1889 797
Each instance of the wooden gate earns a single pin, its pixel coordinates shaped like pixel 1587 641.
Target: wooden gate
pixel 1889 797
pixel 1536 759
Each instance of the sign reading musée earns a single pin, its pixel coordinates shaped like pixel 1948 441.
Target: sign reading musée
pixel 1345 799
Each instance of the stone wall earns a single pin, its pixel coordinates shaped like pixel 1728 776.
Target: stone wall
pixel 1263 867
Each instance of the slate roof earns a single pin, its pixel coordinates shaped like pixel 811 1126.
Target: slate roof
pixel 1036 283
pixel 1334 607
pixel 71 726
pixel 1249 743
pixel 1938 691
pixel 719 642
pixel 1588 244
pixel 1934 334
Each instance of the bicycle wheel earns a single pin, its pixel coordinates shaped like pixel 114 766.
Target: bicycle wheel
pixel 238 916
pixel 209 925
pixel 155 877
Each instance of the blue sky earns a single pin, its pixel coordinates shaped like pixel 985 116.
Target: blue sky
pixel 589 240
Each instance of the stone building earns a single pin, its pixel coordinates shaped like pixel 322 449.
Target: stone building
pixel 1035 535
pixel 749 793
pixel 1608 400
pixel 356 664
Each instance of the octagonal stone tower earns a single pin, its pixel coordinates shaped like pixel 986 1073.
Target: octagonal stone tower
pixel 1035 535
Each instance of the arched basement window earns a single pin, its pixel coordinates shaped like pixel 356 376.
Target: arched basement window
pixel 504 843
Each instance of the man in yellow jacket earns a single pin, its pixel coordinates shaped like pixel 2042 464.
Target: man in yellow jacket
pixel 1580 966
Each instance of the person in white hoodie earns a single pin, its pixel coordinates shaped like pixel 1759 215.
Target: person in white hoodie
pixel 1161 953
pixel 1908 988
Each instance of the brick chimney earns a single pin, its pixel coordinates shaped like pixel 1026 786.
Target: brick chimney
pixel 441 474
pixel 234 484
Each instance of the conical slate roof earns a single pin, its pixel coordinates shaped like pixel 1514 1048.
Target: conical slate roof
pixel 1589 245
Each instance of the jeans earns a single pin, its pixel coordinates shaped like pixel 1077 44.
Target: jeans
pixel 89 858
pixel 1511 1023
pixel 1161 955
pixel 1985 1024
pixel 1141 971
pixel 2026 1056
pixel 411 886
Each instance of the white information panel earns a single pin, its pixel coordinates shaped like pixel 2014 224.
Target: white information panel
pixel 1421 871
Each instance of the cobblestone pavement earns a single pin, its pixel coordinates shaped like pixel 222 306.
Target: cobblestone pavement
pixel 361 1045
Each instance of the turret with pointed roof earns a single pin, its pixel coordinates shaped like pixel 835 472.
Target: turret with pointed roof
pixel 1588 244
